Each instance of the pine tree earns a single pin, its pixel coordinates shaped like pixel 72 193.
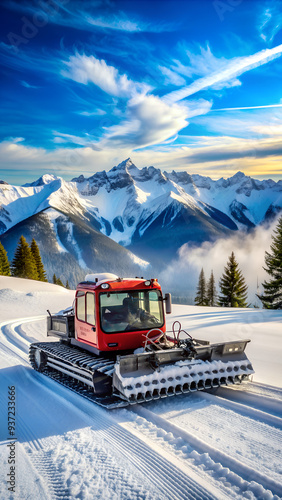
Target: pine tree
pixel 37 257
pixel 200 299
pixel 4 263
pixel 232 285
pixel 57 281
pixel 67 285
pixel 23 265
pixel 211 291
pixel 272 298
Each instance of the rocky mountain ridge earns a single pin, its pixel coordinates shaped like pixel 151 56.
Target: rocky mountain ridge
pixel 146 214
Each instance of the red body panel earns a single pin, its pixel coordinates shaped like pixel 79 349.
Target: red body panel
pixel 97 338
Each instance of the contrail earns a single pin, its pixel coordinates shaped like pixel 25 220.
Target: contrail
pixel 248 107
pixel 234 68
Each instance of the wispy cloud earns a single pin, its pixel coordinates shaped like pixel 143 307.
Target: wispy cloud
pixel 87 69
pixel 171 77
pixel 89 16
pixel 233 68
pixel 88 140
pixel 202 62
pixel 97 112
pixel 270 21
pixel 28 85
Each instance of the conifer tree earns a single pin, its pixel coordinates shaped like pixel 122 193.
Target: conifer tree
pixel 232 285
pixel 67 285
pixel 200 299
pixel 4 263
pixel 23 265
pixel 37 257
pixel 272 297
pixel 57 281
pixel 211 291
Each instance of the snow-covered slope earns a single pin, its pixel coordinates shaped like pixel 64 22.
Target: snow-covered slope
pixel 202 446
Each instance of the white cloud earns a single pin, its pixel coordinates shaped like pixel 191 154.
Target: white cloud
pixel 171 77
pixel 116 23
pixel 87 69
pixel 226 73
pixel 69 162
pixel 149 121
pixel 270 22
pixel 28 85
pixel 200 64
pixel 64 161
pixel 249 251
pixel 78 16
pixel 87 140
pixel 97 112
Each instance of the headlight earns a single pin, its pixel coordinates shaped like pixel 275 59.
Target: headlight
pixel 105 285
pixel 147 283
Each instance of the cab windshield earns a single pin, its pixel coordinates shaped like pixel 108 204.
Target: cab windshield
pixel 133 310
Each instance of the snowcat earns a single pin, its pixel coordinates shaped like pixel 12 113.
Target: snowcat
pixel 114 349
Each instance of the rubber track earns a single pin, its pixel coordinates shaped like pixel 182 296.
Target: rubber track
pixel 72 356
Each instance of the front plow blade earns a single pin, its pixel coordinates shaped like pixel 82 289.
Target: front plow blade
pixel 159 374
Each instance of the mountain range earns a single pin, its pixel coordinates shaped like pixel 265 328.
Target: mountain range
pixel 128 220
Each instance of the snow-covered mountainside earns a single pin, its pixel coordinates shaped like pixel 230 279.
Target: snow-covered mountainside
pixel 202 446
pixel 151 213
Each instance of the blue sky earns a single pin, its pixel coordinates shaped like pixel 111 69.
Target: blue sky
pixel 184 85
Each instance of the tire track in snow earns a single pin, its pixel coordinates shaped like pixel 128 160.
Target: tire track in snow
pixel 244 409
pixel 239 474
pixel 16 344
pixel 172 479
pixel 144 456
pixel 49 473
pixel 171 482
pixel 265 403
pixel 13 341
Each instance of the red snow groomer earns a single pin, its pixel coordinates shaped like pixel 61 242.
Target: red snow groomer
pixel 114 349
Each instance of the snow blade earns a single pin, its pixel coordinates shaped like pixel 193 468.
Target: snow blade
pixel 158 374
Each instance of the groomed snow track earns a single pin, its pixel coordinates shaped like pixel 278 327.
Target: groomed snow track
pixel 69 448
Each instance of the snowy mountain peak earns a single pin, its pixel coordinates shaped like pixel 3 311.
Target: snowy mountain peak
pixel 239 176
pixel 125 165
pixel 79 179
pixel 180 177
pixel 42 181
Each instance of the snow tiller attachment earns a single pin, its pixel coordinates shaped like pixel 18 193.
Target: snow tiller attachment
pixel 113 347
pixel 191 367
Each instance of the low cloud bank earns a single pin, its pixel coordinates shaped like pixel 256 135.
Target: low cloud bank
pixel 181 276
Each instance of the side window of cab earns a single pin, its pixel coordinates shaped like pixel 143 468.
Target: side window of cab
pixel 85 307
pixel 90 308
pixel 80 306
